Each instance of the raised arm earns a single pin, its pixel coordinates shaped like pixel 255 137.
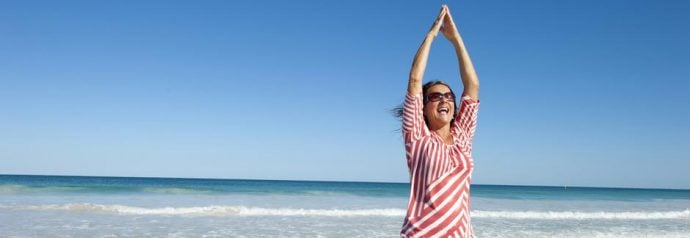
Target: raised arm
pixel 414 86
pixel 469 78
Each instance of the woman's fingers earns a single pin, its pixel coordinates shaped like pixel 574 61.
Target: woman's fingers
pixel 449 18
pixel 442 14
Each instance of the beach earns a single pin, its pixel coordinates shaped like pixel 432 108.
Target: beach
pixel 71 206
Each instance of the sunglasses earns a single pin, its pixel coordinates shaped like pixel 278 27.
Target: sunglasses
pixel 435 97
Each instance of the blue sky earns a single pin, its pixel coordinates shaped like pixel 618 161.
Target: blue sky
pixel 589 93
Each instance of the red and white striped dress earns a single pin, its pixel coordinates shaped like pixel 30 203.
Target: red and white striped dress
pixel 440 174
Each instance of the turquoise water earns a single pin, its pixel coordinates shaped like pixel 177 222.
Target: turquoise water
pixel 84 184
pixel 77 184
pixel 32 206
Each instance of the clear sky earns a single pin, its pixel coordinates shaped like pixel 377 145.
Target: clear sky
pixel 586 92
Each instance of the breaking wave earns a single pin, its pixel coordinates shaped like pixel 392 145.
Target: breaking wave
pixel 224 211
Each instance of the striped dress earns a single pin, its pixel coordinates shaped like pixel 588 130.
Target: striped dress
pixel 440 174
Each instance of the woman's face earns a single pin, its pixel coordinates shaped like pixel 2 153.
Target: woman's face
pixel 439 111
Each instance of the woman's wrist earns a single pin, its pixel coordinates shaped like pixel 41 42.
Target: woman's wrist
pixel 456 40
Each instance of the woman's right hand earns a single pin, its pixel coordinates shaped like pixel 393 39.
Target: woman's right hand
pixel 435 28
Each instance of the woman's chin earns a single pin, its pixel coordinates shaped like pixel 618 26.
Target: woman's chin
pixel 442 120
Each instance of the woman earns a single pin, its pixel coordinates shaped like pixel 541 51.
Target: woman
pixel 438 142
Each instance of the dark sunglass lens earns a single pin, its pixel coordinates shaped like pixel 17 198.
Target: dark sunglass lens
pixel 435 97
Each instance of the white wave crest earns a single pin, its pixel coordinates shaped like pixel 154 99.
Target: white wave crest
pixel 570 215
pixel 224 211
pixel 210 210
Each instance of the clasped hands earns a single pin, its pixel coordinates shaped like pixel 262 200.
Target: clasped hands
pixel 444 23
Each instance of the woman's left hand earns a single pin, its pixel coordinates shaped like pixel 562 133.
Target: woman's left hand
pixel 448 29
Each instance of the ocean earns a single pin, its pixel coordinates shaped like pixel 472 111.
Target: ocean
pixel 79 206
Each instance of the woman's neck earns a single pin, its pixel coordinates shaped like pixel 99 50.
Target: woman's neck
pixel 444 133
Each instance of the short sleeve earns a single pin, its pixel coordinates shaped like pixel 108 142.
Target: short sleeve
pixel 466 122
pixel 413 118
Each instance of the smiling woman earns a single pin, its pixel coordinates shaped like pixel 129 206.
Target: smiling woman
pixel 438 141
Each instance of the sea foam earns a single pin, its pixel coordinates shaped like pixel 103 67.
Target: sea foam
pixel 386 212
pixel 207 210
pixel 573 215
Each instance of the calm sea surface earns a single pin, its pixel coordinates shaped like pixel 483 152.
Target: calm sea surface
pixel 70 206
